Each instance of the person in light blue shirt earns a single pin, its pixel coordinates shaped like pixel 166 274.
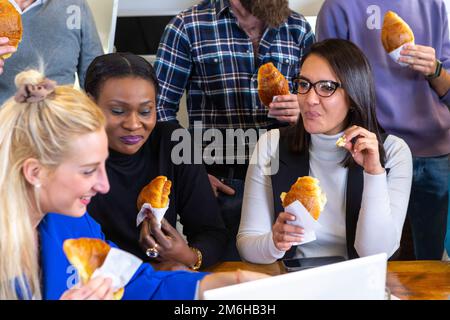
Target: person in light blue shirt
pixel 53 148
pixel 59 38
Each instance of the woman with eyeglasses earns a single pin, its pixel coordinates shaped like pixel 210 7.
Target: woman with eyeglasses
pixel 367 181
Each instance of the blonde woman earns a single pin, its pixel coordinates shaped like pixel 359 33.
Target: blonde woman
pixel 53 148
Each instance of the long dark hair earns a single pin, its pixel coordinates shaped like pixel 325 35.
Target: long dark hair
pixel 353 71
pixel 117 65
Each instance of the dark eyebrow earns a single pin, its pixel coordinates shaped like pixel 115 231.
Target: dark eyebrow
pixel 126 103
pixel 147 102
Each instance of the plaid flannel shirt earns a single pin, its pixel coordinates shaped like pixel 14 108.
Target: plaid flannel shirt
pixel 206 53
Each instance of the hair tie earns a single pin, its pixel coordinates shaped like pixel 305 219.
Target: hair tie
pixel 31 93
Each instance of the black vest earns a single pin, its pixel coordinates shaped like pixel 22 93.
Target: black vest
pixel 297 165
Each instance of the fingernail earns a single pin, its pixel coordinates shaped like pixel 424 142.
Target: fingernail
pixel 274 99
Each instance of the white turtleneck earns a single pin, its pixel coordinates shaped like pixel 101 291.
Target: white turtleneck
pixel 383 208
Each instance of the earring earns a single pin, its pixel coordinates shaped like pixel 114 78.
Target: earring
pixel 38 185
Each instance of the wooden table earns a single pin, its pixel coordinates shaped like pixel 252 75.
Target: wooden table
pixel 424 280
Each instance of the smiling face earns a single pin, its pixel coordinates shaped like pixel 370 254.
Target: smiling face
pixel 325 115
pixel 81 175
pixel 129 105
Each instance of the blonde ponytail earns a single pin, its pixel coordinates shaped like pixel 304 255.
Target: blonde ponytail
pixel 42 130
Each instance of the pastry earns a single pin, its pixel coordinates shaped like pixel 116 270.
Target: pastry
pixel 395 32
pixel 308 192
pixel 341 142
pixel 10 25
pixel 271 83
pixel 156 193
pixel 87 255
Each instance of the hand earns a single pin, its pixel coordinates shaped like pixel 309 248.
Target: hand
pixel 98 288
pixel 170 244
pixel 364 150
pixel 217 186
pixel 5 49
pixel 285 108
pixel 223 279
pixel 285 235
pixel 419 58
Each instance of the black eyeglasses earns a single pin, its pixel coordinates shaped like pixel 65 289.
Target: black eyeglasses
pixel 323 88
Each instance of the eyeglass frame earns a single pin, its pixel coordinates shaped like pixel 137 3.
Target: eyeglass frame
pixel 313 85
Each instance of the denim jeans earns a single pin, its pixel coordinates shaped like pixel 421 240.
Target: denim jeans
pixel 230 207
pixel 428 206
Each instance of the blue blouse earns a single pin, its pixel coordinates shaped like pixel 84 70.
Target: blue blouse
pixel 58 275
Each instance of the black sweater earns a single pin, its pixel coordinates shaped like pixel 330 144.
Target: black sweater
pixel 191 197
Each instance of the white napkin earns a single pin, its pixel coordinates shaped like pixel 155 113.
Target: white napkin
pixel 304 220
pixel 157 212
pixel 395 55
pixel 120 266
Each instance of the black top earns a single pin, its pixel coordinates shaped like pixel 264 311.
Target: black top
pixel 191 197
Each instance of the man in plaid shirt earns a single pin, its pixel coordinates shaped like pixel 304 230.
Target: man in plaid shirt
pixel 213 51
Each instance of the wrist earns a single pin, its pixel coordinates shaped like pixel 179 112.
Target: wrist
pixel 375 170
pixel 198 259
pixel 437 71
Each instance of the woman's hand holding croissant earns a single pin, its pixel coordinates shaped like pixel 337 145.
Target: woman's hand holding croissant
pixel 170 244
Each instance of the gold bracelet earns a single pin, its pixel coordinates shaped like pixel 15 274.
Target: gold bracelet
pixel 198 264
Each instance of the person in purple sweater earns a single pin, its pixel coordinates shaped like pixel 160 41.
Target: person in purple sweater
pixel 411 101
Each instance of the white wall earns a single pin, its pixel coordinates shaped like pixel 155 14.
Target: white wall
pixel 169 7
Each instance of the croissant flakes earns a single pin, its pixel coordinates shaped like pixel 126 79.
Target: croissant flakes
pixel 156 193
pixel 395 32
pixel 271 83
pixel 87 255
pixel 10 25
pixel 308 192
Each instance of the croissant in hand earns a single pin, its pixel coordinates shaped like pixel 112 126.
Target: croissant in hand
pixel 308 192
pixel 87 255
pixel 271 83
pixel 10 25
pixel 395 32
pixel 156 193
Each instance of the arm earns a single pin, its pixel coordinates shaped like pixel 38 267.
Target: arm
pixel 331 22
pixel 91 46
pixel 385 202
pixel 285 108
pixel 423 58
pixel 173 67
pixel 255 239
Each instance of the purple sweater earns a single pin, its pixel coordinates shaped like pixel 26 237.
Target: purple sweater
pixel 406 104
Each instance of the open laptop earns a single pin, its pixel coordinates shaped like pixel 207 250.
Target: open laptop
pixel 357 279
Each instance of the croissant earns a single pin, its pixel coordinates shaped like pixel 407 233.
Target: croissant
pixel 308 192
pixel 271 83
pixel 341 142
pixel 395 32
pixel 87 255
pixel 156 193
pixel 10 25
